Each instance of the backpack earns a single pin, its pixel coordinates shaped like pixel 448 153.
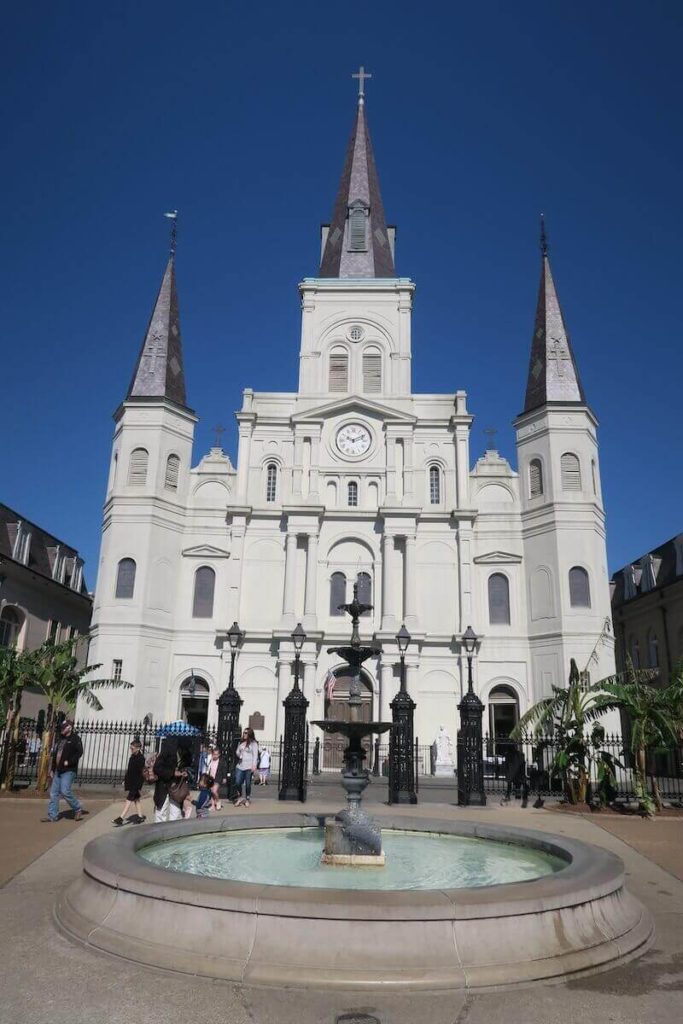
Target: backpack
pixel 148 771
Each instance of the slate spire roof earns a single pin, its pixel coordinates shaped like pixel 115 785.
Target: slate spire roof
pixel 553 374
pixel 357 241
pixel 159 369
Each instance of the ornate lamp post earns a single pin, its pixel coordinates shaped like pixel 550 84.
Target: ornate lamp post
pixel 470 740
pixel 401 750
pixel 229 707
pixel 293 771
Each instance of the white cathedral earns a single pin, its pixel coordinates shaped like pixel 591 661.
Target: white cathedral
pixel 352 478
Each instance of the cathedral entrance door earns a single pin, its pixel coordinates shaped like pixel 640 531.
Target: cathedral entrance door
pixel 194 702
pixel 338 710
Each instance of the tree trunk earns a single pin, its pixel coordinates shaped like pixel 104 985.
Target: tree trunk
pixel 45 751
pixel 9 756
pixel 656 793
pixel 640 778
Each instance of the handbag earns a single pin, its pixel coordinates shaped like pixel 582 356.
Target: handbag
pixel 179 791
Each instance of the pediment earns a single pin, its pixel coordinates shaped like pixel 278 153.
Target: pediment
pixel 498 558
pixel 353 403
pixel 205 551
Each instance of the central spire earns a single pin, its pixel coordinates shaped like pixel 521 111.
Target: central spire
pixel 357 242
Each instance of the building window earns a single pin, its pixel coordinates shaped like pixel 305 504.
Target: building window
pixel 434 485
pixel 634 651
pixel 357 228
pixel 10 624
pixel 125 578
pixel 337 592
pixel 356 333
pixel 271 482
pixel 339 372
pixel 137 467
pixel 364 589
pixel 372 372
pixel 499 600
pixel 579 588
pixel 571 472
pixel 535 478
pixel 652 649
pixel 172 470
pixel 117 670
pixel 72 633
pixel 22 544
pixel 352 494
pixel 204 586
pixel 53 631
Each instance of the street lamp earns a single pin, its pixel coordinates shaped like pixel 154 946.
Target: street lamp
pixel 235 637
pixel 470 740
pixel 298 639
pixel 401 749
pixel 403 639
pixel 469 639
pixel 295 744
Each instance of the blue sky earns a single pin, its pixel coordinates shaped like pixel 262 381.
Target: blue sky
pixel 482 116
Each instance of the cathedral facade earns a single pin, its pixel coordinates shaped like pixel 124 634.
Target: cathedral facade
pixel 352 479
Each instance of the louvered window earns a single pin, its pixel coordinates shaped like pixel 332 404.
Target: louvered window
pixel 125 578
pixel 434 485
pixel 652 649
pixel 339 372
pixel 172 471
pixel 571 472
pixel 204 586
pixel 535 478
pixel 271 482
pixel 499 600
pixel 364 589
pixel 137 467
pixel 337 592
pixel 357 230
pixel 372 373
pixel 352 494
pixel 579 588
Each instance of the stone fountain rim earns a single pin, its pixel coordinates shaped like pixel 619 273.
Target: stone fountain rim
pixel 591 873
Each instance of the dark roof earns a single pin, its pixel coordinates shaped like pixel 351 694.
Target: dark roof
pixel 43 546
pixel 359 181
pixel 553 374
pixel 159 369
pixel 665 563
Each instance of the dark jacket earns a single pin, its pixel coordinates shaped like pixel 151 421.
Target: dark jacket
pixel 134 780
pixel 164 769
pixel 68 755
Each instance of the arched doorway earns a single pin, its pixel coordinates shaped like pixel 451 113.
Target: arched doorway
pixel 194 702
pixel 11 621
pixel 337 708
pixel 503 715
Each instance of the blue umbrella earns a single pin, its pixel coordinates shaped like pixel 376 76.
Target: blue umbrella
pixel 178 729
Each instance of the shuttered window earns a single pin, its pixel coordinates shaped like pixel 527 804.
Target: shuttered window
pixel 172 470
pixel 137 467
pixel 535 478
pixel 499 600
pixel 357 230
pixel 372 373
pixel 434 485
pixel 337 592
pixel 271 482
pixel 579 588
pixel 364 589
pixel 571 472
pixel 204 586
pixel 352 494
pixel 339 372
pixel 125 578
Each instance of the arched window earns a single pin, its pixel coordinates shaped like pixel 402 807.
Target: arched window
pixel 372 371
pixel 652 649
pixel 579 588
pixel 535 478
pixel 503 715
pixel 125 578
pixel 137 467
pixel 337 592
pixel 172 470
pixel 364 589
pixel 357 220
pixel 434 485
pixel 339 371
pixel 634 651
pixel 571 472
pixel 352 494
pixel 499 600
pixel 271 481
pixel 204 586
pixel 10 624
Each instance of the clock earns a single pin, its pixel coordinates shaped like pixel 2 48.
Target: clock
pixel 353 439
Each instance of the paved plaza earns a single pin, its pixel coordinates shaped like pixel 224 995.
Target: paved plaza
pixel 49 980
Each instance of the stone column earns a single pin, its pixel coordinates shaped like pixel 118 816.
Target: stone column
pixel 297 468
pixel 290 578
pixel 243 459
pixel 410 601
pixel 389 583
pixel 391 470
pixel 311 596
pixel 308 682
pixel 388 690
pixel 285 681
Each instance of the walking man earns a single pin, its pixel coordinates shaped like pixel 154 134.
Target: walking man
pixel 63 767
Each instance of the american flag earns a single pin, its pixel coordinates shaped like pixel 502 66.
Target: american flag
pixel 329 684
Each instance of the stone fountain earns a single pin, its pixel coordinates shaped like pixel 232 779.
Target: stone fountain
pixel 351 837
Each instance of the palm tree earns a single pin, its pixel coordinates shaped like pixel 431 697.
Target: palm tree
pixel 62 679
pixel 656 717
pixel 16 672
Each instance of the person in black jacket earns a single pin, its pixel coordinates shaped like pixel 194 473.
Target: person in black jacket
pixel 167 771
pixel 66 754
pixel 133 783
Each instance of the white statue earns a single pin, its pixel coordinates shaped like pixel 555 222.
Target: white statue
pixel 444 748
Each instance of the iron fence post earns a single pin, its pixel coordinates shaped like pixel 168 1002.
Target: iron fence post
pixel 470 747
pixel 229 731
pixel 293 772
pixel 402 788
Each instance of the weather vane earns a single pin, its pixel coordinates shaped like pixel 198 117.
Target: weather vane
pixel 173 216
pixel 218 430
pixel 361 76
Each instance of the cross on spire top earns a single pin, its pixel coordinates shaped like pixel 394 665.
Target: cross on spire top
pixel 361 75
pixel 491 435
pixel 172 215
pixel 218 430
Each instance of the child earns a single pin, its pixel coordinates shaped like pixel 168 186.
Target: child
pixel 264 766
pixel 203 801
pixel 133 783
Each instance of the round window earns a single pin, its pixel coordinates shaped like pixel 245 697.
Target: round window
pixel 356 333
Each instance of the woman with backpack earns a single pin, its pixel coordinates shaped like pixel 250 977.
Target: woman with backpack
pixel 247 760
pixel 168 798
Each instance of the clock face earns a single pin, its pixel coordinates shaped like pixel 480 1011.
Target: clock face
pixel 353 439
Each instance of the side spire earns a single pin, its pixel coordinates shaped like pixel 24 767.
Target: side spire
pixel 357 243
pixel 553 374
pixel 159 369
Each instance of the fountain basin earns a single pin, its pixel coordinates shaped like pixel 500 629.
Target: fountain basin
pixel 574 920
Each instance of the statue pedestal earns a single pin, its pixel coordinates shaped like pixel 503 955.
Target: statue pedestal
pixel 444 768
